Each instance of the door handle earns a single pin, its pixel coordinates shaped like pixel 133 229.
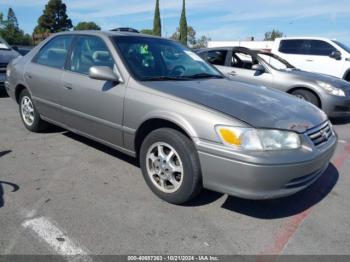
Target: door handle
pixel 232 73
pixel 309 60
pixel 68 86
pixel 28 76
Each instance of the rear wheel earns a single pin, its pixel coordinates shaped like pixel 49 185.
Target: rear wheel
pixel 307 96
pixel 29 114
pixel 170 166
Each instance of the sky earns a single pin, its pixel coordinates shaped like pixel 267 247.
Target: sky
pixel 218 19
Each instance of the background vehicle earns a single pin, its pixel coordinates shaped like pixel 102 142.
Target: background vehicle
pixel 6 55
pixel 190 126
pixel 315 54
pixel 263 68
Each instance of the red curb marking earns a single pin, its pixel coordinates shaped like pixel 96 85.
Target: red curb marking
pixel 289 228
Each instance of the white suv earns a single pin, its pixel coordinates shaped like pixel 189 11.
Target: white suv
pixel 315 54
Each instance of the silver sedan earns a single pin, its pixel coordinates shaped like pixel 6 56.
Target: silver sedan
pixel 189 126
pixel 329 93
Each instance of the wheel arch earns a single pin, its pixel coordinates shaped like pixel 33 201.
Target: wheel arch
pixel 154 123
pixel 347 75
pixel 290 91
pixel 19 88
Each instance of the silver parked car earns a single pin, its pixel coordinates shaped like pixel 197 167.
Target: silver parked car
pixel 190 127
pixel 329 93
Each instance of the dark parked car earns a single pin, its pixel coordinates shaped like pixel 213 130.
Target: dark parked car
pixel 6 55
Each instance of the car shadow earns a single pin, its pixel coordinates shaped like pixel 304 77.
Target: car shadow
pixel 102 148
pixel 3 94
pixel 51 129
pixel 340 121
pixel 288 206
pixel 275 208
pixel 14 189
pixel 3 153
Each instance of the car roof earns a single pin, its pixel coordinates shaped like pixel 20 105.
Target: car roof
pixel 104 33
pixel 234 48
pixel 304 38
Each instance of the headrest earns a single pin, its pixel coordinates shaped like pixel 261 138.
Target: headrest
pixel 56 53
pixel 101 56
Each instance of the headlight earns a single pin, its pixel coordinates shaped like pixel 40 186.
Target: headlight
pixel 8 72
pixel 331 89
pixel 258 139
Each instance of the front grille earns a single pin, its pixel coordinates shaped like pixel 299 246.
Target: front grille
pixel 321 134
pixel 3 67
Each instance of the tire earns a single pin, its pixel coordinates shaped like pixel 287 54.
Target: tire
pixel 307 96
pixel 347 77
pixel 177 187
pixel 32 122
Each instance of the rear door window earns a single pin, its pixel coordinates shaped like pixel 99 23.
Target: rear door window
pixel 217 57
pixel 54 53
pixel 292 47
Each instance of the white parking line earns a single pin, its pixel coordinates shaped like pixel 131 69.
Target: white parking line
pixel 56 239
pixel 342 141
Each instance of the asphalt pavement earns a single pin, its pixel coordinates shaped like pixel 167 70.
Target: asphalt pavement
pixel 63 194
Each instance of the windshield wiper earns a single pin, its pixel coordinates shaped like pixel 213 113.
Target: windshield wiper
pixel 165 78
pixel 203 75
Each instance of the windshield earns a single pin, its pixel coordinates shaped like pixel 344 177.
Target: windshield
pixel 345 47
pixel 157 59
pixel 4 44
pixel 275 61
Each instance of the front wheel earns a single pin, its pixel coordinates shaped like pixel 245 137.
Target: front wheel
pixel 29 114
pixel 307 96
pixel 170 166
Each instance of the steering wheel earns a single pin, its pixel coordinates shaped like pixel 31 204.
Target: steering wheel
pixel 178 70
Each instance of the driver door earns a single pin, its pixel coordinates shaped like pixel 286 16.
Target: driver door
pixel 241 69
pixel 93 107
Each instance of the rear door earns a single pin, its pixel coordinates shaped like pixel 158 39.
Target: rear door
pixel 293 51
pixel 44 73
pixel 93 107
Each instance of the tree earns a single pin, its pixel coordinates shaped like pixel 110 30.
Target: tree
pixel 12 19
pixel 272 35
pixel 157 24
pixel 183 25
pixel 86 26
pixel 147 31
pixel 202 42
pixel 54 18
pixel 191 35
pixel 11 32
pixel 192 39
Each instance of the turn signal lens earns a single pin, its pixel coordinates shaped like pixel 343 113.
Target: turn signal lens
pixel 230 137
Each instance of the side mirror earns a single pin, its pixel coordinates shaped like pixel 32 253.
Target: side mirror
pixel 259 68
pixel 336 55
pixel 104 73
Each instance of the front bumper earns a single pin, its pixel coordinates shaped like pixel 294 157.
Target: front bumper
pixel 336 107
pixel 272 176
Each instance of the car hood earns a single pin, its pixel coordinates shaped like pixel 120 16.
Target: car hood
pixel 308 76
pixel 7 55
pixel 257 106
